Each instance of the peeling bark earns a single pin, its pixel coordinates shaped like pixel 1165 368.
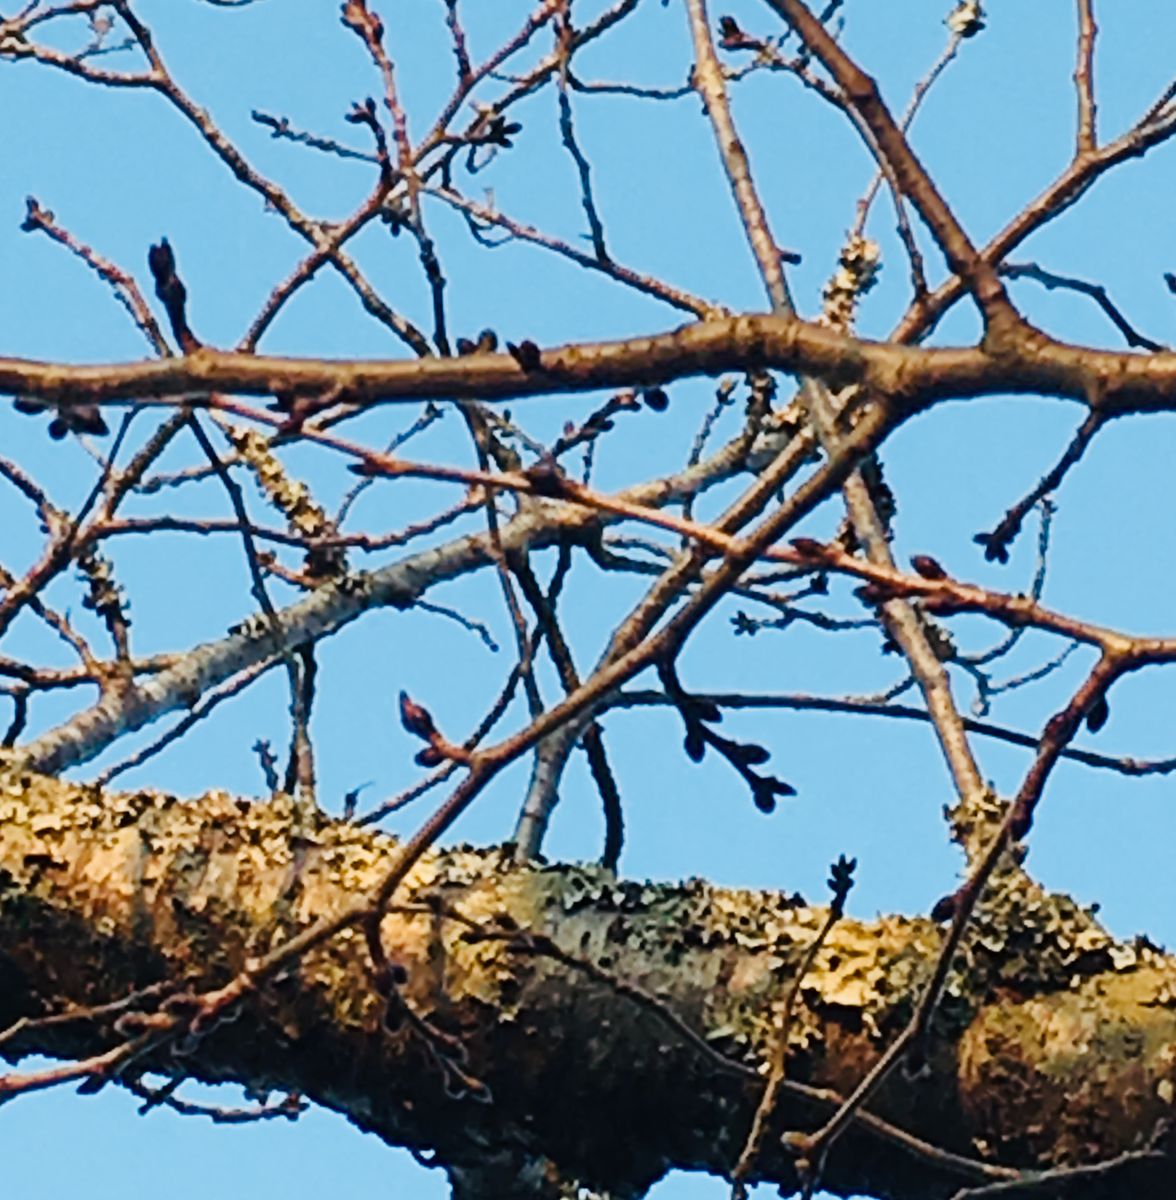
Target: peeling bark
pixel 1055 1045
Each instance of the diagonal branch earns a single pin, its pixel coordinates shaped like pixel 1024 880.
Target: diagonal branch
pixel 862 92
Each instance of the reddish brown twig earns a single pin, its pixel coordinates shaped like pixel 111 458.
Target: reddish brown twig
pixel 1084 78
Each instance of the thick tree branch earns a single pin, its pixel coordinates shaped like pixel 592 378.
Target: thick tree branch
pixel 547 975
pixel 1033 363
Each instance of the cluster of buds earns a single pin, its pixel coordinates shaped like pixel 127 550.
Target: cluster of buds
pixel 68 418
pixel 418 721
pixel 698 716
pixel 732 36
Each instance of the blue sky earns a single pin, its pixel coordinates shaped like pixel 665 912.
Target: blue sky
pixel 120 170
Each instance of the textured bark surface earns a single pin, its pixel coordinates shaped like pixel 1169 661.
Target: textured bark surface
pixel 1054 1045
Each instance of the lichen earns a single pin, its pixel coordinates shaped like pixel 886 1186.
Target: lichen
pixel 100 892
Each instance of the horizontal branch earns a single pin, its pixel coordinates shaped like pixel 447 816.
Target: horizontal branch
pixel 860 706
pixel 912 377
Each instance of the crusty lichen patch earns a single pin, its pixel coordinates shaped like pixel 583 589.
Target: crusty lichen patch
pixel 103 892
pixel 1073 1075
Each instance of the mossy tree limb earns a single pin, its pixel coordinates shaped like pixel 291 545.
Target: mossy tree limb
pixel 1056 1045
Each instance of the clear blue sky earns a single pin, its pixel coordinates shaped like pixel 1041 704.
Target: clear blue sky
pixel 119 169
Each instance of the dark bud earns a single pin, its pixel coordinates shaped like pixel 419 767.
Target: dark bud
pixel 927 567
pixel 362 114
pixel 694 743
pixel 1170 280
pixel 748 754
pixel 430 756
pixel 526 354
pixel 731 37
pixel 996 546
pixel 73 418
pixel 377 28
pixel 93 1085
pixel 808 547
pixel 656 399
pixel 841 879
pixel 486 343
pixel 35 216
pixel 499 132
pixel 546 478
pixel 162 262
pixel 764 792
pixel 945 907
pixel 415 718
pixel 874 593
pixel 745 624
pixel 1097 714
pixel 86 418
pixel 763 797
pixel 172 293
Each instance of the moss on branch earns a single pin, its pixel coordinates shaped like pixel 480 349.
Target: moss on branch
pixel 1056 1044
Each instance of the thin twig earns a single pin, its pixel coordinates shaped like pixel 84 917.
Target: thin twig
pixel 1084 78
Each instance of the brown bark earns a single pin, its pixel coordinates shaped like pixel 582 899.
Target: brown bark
pixel 1054 1046
pixel 907 379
